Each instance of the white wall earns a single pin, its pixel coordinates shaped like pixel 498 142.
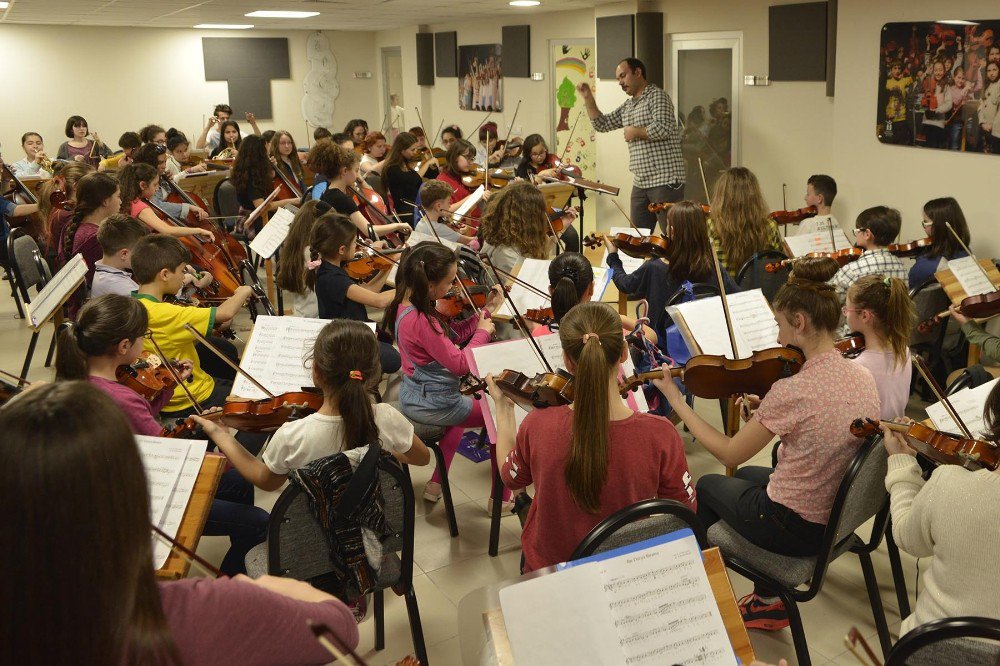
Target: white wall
pixel 123 78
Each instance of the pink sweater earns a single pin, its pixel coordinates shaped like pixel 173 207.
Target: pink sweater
pixel 233 621
pixel 141 414
pixel 420 342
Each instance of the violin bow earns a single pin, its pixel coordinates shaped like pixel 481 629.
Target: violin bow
pixel 436 135
pixel 225 359
pixel 625 215
pixel 173 373
pixel 486 167
pixel 921 367
pixel 969 252
pixel 510 127
pixel 188 554
pixel 20 380
pixel 569 138
pixel 704 183
pixel 341 651
pixel 461 287
pixel 518 318
pixel 481 122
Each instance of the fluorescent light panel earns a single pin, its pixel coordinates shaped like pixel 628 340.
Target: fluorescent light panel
pixel 280 14
pixel 524 3
pixel 224 26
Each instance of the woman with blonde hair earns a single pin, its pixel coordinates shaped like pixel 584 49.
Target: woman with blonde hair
pixel 739 226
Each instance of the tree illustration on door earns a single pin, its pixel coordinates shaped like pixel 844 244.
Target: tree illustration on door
pixel 566 98
pixel 573 64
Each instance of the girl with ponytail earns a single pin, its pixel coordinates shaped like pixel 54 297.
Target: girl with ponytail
pixel 140 183
pixel 785 509
pixel 96 198
pixel 433 363
pixel 880 308
pixel 345 365
pixel 613 456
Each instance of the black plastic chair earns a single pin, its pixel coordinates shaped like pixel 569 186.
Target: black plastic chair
pixel 861 496
pixel 9 272
pixel 949 641
pixel 643 520
pixel 28 270
pixel 753 273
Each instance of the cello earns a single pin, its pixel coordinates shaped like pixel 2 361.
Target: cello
pixel 178 195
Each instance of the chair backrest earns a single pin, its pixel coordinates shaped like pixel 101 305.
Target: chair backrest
pixel 226 203
pixel 296 542
pixel 22 261
pixel 928 300
pixel 377 184
pixel 698 289
pixel 638 522
pixel 753 273
pixel 949 641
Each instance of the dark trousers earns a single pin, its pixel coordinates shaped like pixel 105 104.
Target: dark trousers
pixel 214 365
pixel 391 361
pixel 743 503
pixel 570 239
pixel 643 196
pixel 233 514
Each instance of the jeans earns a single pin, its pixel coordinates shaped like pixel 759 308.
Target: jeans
pixel 642 197
pixel 742 502
pixel 233 514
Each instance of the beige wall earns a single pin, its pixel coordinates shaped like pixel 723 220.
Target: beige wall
pixel 123 78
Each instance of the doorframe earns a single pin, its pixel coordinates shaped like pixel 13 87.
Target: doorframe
pixel 385 53
pixel 700 41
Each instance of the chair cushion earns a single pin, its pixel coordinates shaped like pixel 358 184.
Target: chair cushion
pixel 788 570
pixel 256 560
pixel 426 432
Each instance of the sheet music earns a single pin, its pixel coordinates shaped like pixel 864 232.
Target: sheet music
pixel 970 275
pixel 519 355
pixel 969 404
pixel 536 273
pixel 54 294
pixel 276 355
pixel 817 242
pixel 273 234
pixel 163 460
pixel 180 497
pixel 630 264
pixel 754 325
pixel 654 605
pixel 412 240
pixel 471 201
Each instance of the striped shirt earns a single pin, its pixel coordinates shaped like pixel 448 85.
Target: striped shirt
pixel 774 242
pixel 657 160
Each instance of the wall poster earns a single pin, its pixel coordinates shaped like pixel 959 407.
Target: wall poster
pixel 480 77
pixel 939 85
pixel 574 64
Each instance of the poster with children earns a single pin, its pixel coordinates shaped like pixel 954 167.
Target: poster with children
pixel 939 85
pixel 480 78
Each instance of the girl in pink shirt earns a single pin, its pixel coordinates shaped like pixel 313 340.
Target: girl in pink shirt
pixel 590 459
pixel 881 309
pixel 433 364
pixel 785 509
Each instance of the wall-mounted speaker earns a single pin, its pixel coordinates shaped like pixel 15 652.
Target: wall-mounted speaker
pixel 425 59
pixel 797 42
pixel 446 54
pixel 516 40
pixel 649 44
pixel 615 42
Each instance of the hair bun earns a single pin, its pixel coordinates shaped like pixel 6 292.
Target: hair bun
pixel 813 269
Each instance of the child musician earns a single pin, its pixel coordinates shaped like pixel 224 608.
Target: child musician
pixel 874 229
pixel 938 213
pixel 740 226
pixel 820 192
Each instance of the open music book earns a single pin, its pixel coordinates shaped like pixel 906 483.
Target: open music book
pixel 56 292
pixel 172 466
pixel 704 324
pixel 969 404
pixel 536 273
pixel 648 603
pixel 274 233
pixel 817 242
pixel 276 355
pixel 519 355
pixel 970 275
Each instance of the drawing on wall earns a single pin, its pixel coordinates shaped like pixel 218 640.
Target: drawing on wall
pixel 939 86
pixel 480 77
pixel 573 64
pixel 320 88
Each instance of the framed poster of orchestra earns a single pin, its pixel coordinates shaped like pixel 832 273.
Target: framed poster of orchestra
pixel 939 85
pixel 480 77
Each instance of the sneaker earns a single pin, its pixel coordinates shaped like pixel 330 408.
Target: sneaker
pixel 432 491
pixel 759 614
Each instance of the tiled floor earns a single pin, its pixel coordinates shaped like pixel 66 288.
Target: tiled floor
pixel 447 568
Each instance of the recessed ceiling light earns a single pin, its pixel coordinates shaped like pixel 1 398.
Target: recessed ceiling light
pixel 224 26
pixel 280 14
pixel 524 3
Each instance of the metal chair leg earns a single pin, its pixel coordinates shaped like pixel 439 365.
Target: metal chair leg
pixel 878 611
pixel 798 631
pixel 379 600
pixel 449 505
pixel 52 347
pixel 416 628
pixel 497 495
pixel 31 352
pixel 898 579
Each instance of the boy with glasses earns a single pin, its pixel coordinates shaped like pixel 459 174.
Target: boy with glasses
pixel 874 229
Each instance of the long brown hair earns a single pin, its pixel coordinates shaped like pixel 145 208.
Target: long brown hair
pixel 69 173
pixel 424 264
pixel 292 268
pixel 91 193
pixel 330 232
pixel 395 157
pixel 130 178
pixel 346 361
pixel 739 215
pixel 252 167
pixel 690 252
pixel 596 358
pixel 460 148
pixel 516 216
pixel 569 276
pixel 940 211
pixel 101 324
pixel 890 302
pixel 809 292
pixel 63 443
pixel 293 158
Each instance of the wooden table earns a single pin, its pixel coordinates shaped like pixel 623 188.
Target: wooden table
pixel 953 290
pixel 482 606
pixel 195 516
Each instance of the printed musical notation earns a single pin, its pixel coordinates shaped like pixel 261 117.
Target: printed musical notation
pixel 57 291
pixel 754 325
pixel 273 234
pixel 971 276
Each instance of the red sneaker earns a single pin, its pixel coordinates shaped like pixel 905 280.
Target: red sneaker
pixel 758 614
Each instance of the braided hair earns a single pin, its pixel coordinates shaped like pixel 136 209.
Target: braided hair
pixel 91 192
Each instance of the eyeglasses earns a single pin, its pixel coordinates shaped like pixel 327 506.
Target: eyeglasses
pixel 160 148
pixel 860 229
pixel 847 310
pixel 927 225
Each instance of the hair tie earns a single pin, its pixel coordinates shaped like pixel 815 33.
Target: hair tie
pixel 588 336
pixel 313 264
pixel 356 374
pixel 569 272
pixel 887 281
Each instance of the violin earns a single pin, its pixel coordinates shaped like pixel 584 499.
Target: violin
pixel 60 201
pixel 981 306
pixel 911 249
pixel 374 209
pixel 657 207
pixel 936 445
pixel 793 216
pixel 511 148
pixel 366 264
pixel 543 316
pixel 851 346
pixel 287 189
pixel 266 415
pixel 638 247
pixel 497 177
pixel 842 257
pixel 454 303
pixel 545 389
pixel 571 175
pixel 718 377
pixel 147 376
pixel 552 161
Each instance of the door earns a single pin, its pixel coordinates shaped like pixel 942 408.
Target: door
pixel 705 85
pixel 394 121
